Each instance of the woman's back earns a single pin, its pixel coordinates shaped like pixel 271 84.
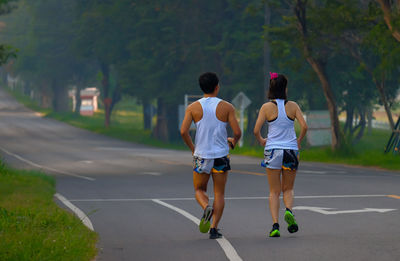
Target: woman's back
pixel 280 116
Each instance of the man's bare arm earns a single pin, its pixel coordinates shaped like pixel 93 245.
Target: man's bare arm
pixel 233 122
pixel 187 121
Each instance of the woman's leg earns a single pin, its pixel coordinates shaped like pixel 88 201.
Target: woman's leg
pixel 288 177
pixel 274 181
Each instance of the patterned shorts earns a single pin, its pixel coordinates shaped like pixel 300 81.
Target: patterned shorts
pixel 211 166
pixel 281 159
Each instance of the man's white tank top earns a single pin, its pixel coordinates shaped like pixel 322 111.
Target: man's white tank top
pixel 211 135
pixel 281 134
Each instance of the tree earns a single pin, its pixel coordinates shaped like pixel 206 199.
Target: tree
pixel 304 29
pixel 6 51
pixel 391 16
pixel 101 39
pixel 43 32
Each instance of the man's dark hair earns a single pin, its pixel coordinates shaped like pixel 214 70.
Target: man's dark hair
pixel 208 81
pixel 277 87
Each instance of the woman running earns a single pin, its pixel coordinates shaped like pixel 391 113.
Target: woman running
pixel 281 154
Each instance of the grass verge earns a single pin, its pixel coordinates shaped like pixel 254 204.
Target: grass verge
pixel 33 227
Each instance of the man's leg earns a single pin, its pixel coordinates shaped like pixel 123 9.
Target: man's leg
pixel 219 196
pixel 200 182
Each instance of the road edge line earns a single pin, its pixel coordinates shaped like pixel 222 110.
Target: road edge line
pixel 229 250
pixel 79 213
pixel 44 167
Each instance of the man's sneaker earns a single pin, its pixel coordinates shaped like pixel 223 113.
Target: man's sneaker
pixel 275 231
pixel 214 233
pixel 289 218
pixel 204 225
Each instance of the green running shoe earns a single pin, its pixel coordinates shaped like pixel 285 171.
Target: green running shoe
pixel 275 231
pixel 292 225
pixel 205 224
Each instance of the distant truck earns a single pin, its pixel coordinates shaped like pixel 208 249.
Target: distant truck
pixel 89 103
pixel 89 100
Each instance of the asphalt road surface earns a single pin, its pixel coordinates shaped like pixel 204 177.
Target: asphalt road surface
pixel 140 199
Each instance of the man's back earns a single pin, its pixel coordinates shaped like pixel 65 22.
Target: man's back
pixel 222 111
pixel 211 135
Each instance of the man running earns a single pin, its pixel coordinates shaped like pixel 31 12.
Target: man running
pixel 210 152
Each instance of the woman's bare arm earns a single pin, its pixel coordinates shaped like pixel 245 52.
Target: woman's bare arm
pixel 262 117
pixel 303 125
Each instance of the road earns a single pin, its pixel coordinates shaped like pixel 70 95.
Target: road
pixel 140 199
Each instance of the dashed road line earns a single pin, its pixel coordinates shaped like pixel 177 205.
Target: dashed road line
pixel 81 215
pixel 249 172
pixel 229 250
pixel 394 196
pixel 44 167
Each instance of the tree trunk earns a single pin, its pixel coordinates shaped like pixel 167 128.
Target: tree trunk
pixel 370 117
pixel 173 122
pixel 60 97
pixel 300 12
pixel 335 127
pixel 78 98
pixel 361 125
pixel 147 115
pixel 381 89
pixel 387 16
pixel 161 130
pixel 106 99
pixel 116 97
pixel 251 121
pixel 349 118
pixel 380 85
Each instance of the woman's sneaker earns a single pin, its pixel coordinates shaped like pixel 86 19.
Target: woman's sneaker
pixel 214 233
pixel 204 225
pixel 275 231
pixel 289 218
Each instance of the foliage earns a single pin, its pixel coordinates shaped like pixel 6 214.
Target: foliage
pixel 156 50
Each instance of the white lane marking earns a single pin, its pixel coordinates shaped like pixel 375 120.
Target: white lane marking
pixel 311 171
pixel 327 211
pixel 86 161
pixel 151 173
pixel 44 167
pixel 230 252
pixel 82 216
pixel 227 198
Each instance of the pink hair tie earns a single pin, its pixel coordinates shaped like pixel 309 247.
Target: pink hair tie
pixel 273 75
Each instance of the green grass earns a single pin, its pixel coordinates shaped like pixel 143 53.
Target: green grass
pixel 127 124
pixel 33 227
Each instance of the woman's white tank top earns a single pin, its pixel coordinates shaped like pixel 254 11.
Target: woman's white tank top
pixel 211 135
pixel 281 134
